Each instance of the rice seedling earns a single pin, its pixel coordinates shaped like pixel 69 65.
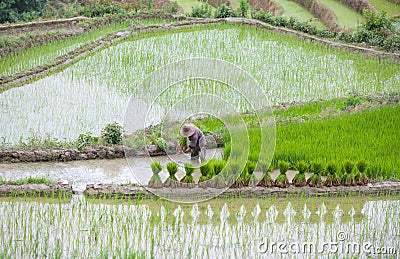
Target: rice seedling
pixel 220 173
pixel 188 178
pixel 332 178
pixel 266 180
pixel 155 180
pixel 282 180
pixel 360 177
pixel 315 179
pixel 207 172
pixel 347 177
pixel 172 181
pixel 299 179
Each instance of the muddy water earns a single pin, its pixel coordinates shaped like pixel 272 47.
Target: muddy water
pixel 80 173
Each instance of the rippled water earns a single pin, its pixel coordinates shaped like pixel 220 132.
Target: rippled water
pixel 234 230
pixel 84 172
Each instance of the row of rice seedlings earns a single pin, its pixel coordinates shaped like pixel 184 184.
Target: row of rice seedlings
pixel 350 174
pixel 83 229
pixel 288 72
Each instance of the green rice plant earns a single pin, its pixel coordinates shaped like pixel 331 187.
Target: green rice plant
pixel 252 179
pixel 172 181
pixel 332 178
pixel 219 179
pixel 207 172
pixel 219 165
pixel 347 177
pixel 231 174
pixel 227 151
pixel 348 166
pixel 182 141
pixel 266 180
pixel 299 179
pixel 282 181
pixel 361 178
pixel 155 180
pixel 315 179
pixel 243 179
pixel 188 178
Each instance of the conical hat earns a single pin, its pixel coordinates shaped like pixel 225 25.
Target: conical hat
pixel 187 129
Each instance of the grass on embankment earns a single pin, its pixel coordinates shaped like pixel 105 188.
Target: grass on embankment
pixel 384 5
pixel 292 9
pixel 347 18
pixel 187 5
pixel 30 179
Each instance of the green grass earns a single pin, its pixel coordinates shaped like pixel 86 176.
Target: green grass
pixel 347 18
pixel 292 9
pixel 188 4
pixel 30 179
pixel 387 6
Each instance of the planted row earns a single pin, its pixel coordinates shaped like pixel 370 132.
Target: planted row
pixel 217 174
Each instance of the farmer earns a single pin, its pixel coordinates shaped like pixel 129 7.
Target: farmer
pixel 197 140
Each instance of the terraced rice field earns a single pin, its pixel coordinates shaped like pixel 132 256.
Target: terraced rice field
pixel 389 7
pixel 71 102
pixel 347 18
pixel 292 9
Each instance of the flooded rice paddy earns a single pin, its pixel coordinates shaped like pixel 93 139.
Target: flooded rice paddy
pixel 233 228
pixel 95 91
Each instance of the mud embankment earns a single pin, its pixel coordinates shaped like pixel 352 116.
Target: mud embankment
pixel 358 5
pixel 90 153
pixel 112 191
pixel 322 12
pixel 267 5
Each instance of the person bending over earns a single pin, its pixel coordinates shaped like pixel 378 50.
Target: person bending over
pixel 197 141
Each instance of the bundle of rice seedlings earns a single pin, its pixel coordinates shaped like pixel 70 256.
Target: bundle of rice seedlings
pixel 361 178
pixel 332 179
pixel 207 172
pixel 347 177
pixel 171 181
pixel 266 180
pixel 188 178
pixel 299 179
pixel 155 180
pixel 282 180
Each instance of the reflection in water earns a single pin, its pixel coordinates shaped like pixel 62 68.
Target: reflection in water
pixel 83 229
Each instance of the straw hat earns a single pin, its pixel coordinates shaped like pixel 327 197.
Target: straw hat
pixel 187 129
